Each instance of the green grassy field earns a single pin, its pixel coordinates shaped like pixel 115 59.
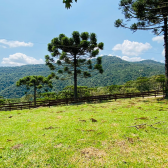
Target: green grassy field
pixel 125 133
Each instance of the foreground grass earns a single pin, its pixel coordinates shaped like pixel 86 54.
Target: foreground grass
pixel 67 136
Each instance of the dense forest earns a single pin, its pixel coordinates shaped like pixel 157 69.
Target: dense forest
pixel 116 72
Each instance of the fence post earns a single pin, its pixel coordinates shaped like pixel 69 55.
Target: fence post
pixel 155 93
pixel 115 97
pixel 66 101
pixel 100 99
pixel 49 103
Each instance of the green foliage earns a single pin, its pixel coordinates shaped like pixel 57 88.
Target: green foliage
pixel 68 92
pixel 143 84
pixel 149 14
pixel 160 78
pixel 2 100
pixel 74 56
pixel 78 47
pixel 10 75
pixel 37 82
pixel 68 3
pixel 48 96
pixel 116 72
pixel 114 89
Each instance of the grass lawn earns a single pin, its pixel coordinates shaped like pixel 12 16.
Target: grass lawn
pixel 125 133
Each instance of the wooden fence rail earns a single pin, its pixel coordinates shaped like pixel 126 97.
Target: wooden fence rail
pixel 48 103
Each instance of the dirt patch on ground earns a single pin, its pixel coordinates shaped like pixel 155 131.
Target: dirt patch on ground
pixel 114 124
pixel 59 117
pixel 90 157
pixel 92 152
pixel 58 146
pixel 18 146
pixel 60 111
pixel 124 147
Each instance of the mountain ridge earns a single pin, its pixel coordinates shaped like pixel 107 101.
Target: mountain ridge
pixel 116 71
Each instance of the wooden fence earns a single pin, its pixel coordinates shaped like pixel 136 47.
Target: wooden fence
pixel 48 103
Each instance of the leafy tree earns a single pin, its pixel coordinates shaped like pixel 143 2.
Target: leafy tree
pixel 161 80
pixel 68 3
pixel 113 89
pixel 150 15
pixel 37 82
pixel 68 92
pixel 76 56
pixel 2 100
pixel 49 95
pixel 143 84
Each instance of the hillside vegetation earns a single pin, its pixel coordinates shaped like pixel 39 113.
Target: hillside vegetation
pixel 125 133
pixel 116 72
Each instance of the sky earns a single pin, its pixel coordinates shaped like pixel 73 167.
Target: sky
pixel 27 26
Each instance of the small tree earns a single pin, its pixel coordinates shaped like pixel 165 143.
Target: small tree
pixel 83 91
pixel 74 56
pixel 161 80
pixel 114 89
pixel 2 100
pixel 150 15
pixel 143 84
pixel 49 95
pixel 37 82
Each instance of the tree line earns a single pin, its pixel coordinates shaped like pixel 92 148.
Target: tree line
pixel 141 84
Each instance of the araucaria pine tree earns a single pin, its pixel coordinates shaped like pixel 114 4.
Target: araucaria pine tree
pixel 150 15
pixel 73 56
pixel 37 82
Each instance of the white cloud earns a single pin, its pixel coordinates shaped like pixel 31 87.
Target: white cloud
pixel 3 46
pixel 163 52
pixel 126 58
pixel 153 59
pixel 118 56
pixel 110 55
pixel 13 44
pixel 159 39
pixel 132 59
pixel 19 59
pixel 132 48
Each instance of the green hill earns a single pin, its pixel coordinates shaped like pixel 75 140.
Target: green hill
pixel 116 71
pixel 123 134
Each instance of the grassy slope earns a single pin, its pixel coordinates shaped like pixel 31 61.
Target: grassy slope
pixel 60 137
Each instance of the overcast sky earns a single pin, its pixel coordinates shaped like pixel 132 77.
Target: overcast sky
pixel 27 26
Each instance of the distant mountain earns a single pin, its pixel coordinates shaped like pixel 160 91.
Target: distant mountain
pixel 149 62
pixel 116 71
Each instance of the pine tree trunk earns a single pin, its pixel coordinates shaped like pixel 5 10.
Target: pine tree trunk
pixel 166 56
pixel 75 78
pixel 34 95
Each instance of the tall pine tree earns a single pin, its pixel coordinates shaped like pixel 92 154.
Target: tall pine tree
pixel 73 56
pixel 150 15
